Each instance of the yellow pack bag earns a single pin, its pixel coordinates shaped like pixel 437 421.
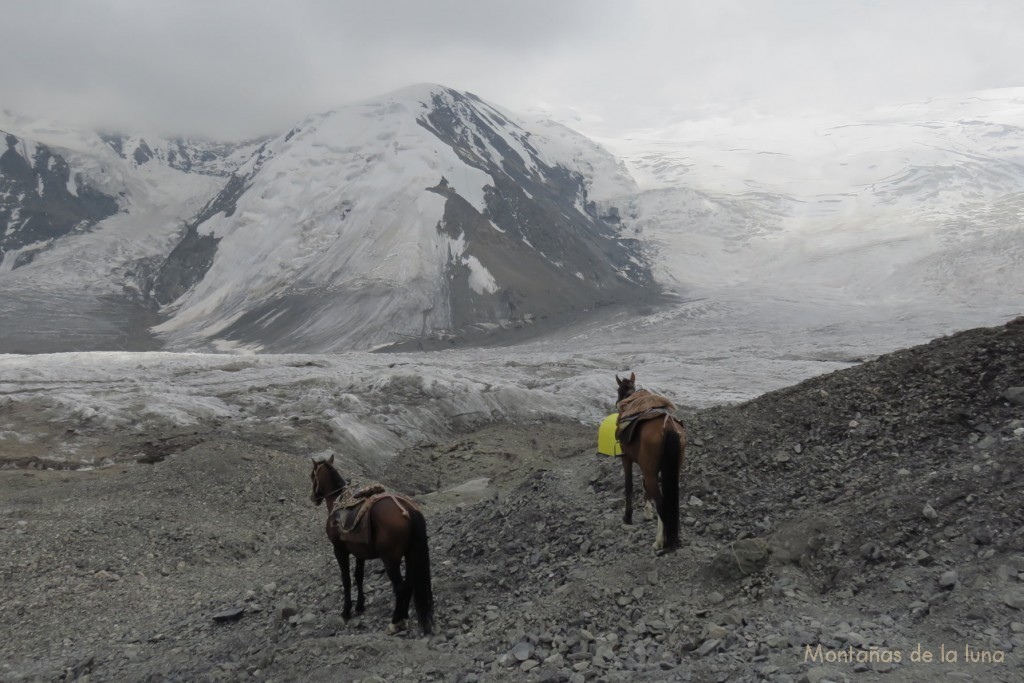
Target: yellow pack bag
pixel 607 444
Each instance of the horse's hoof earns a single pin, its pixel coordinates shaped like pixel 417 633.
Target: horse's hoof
pixel 666 551
pixel 360 609
pixel 397 627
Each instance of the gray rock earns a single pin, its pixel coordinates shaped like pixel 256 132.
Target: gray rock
pixel 1014 599
pixel 522 651
pixel 820 674
pixel 741 558
pixel 287 609
pixel 716 632
pixel 233 614
pixel 1015 395
pixel 982 536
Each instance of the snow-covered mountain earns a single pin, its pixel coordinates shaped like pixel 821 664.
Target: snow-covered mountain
pixel 41 201
pixel 908 203
pixel 78 212
pixel 427 217
pixel 423 214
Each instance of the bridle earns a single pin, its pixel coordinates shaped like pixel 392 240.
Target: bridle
pixel 317 495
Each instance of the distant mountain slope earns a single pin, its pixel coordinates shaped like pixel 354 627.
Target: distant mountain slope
pixel 41 201
pixel 79 220
pixel 56 180
pixel 909 202
pixel 426 214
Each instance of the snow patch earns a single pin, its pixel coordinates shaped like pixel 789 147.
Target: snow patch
pixel 480 279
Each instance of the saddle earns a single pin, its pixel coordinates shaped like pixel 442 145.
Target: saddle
pixel 640 407
pixel 349 513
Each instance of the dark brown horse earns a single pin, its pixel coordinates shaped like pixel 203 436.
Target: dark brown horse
pixel 396 532
pixel 657 446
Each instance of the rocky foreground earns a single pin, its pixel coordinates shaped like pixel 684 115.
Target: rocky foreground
pixel 864 525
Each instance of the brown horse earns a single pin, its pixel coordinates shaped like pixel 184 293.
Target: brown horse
pixel 395 533
pixel 657 447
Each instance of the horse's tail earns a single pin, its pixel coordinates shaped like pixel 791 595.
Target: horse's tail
pixel 671 455
pixel 418 571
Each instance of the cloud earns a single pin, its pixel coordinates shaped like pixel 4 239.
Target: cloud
pixel 236 68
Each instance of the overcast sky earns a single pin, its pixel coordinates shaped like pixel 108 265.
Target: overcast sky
pixel 234 68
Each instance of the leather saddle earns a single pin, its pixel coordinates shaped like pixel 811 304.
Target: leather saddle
pixel 350 516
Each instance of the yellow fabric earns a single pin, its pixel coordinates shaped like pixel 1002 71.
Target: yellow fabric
pixel 607 444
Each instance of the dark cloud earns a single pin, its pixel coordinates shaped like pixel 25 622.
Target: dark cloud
pixel 235 68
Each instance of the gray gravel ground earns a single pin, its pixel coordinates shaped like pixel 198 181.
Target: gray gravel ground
pixel 838 530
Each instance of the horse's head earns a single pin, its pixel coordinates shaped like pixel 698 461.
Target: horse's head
pixel 326 480
pixel 626 386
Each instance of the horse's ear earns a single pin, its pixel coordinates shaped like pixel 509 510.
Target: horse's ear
pixel 330 460
pixel 617 380
pixel 632 377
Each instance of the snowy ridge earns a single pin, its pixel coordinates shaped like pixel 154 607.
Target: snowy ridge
pixel 189 155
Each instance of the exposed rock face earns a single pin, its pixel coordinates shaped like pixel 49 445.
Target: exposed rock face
pixel 41 202
pixel 553 252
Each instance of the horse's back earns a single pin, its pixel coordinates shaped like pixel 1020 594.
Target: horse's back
pixel 646 447
pixel 392 528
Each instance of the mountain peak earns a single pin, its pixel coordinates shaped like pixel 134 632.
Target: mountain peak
pixel 415 91
pixel 422 214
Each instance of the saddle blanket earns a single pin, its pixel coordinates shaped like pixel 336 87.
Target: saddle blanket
pixel 626 427
pixel 641 402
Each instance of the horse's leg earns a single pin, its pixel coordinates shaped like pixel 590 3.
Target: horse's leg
pixel 360 602
pixel 654 496
pixel 398 620
pixel 627 468
pixel 341 554
pixel 648 509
